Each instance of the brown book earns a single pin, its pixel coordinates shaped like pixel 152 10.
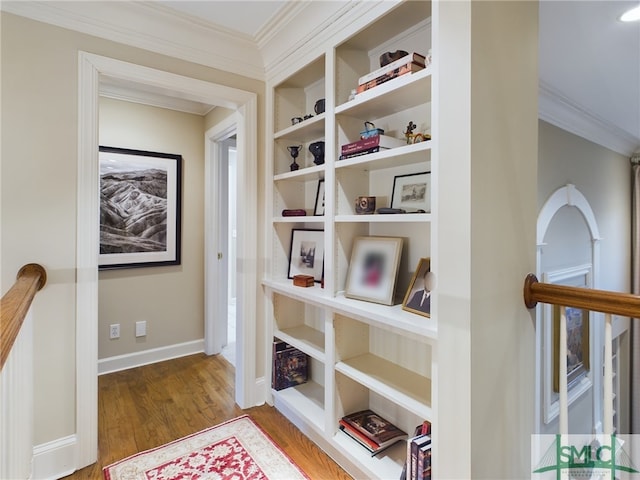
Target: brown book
pixel 398 72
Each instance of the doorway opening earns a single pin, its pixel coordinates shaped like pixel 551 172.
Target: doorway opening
pixel 92 68
pixel 227 276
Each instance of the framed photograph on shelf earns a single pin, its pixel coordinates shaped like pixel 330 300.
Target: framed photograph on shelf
pixel 319 205
pixel 412 192
pixel 306 254
pixel 418 296
pixel 373 269
pixel 140 208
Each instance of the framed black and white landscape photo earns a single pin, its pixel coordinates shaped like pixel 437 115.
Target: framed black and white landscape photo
pixel 412 192
pixel 306 254
pixel 140 208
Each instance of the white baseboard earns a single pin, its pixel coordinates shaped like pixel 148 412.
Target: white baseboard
pixel 55 459
pixel 146 357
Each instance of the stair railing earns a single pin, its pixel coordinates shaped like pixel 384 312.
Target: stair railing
pixel 609 303
pixel 16 373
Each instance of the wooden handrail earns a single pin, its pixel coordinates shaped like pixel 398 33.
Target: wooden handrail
pixel 615 303
pixel 16 303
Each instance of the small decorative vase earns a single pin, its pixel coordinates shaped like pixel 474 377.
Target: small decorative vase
pixel 294 151
pixel 317 150
pixel 319 106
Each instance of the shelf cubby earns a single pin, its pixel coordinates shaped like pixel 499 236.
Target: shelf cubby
pixel 392 365
pixel 298 192
pixel 307 399
pixel 299 324
pixel 353 397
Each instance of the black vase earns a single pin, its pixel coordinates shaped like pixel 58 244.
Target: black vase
pixel 317 150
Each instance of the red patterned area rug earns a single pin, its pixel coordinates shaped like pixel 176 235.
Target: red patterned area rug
pixel 235 450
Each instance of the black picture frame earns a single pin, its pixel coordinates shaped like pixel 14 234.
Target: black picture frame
pixel 306 253
pixel 412 192
pixel 318 208
pixel 140 208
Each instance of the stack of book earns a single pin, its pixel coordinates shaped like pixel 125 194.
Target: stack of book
pixel 414 62
pixel 368 145
pixel 290 366
pixel 371 431
pixel 418 464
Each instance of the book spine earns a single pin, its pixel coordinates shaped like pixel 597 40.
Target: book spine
pixel 411 58
pixel 372 445
pixel 360 145
pixel 424 463
pixel 357 154
pixel 383 141
pixel 398 72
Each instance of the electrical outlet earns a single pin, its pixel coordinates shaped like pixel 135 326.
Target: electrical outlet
pixel 114 331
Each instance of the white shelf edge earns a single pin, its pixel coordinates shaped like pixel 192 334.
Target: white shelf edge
pixel 391 318
pixel 384 89
pixel 300 219
pixel 390 218
pixel 386 389
pixel 302 174
pixel 391 153
pixel 300 127
pixel 314 295
pixel 305 345
pixel 387 464
pixel 307 400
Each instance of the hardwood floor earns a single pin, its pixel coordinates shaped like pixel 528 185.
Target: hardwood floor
pixel 148 406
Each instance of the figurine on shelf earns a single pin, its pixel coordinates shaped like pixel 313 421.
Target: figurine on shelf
pixel 294 150
pixel 415 137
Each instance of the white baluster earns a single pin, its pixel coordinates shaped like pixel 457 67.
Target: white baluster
pixel 608 376
pixel 562 361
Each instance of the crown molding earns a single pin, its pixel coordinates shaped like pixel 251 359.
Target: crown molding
pixel 303 40
pixel 279 21
pixel 559 110
pixel 151 27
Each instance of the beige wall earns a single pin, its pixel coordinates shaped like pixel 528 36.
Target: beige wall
pixel 39 163
pixel 604 178
pixel 170 299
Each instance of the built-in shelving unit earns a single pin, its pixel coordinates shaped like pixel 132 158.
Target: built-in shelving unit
pixel 362 354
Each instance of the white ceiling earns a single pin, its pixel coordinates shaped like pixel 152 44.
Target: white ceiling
pixel 245 16
pixel 590 58
pixel 587 57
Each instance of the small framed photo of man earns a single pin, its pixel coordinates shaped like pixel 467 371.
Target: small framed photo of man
pixel 418 296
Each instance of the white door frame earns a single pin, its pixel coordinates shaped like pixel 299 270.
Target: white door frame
pixel 90 68
pixel 215 297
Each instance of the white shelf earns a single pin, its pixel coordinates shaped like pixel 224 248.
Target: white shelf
pixel 390 218
pixel 305 131
pixel 391 318
pixel 307 400
pixel 313 295
pixel 387 464
pixel 393 157
pixel 302 175
pixel 397 384
pixel 304 338
pixel 300 219
pixel 393 96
